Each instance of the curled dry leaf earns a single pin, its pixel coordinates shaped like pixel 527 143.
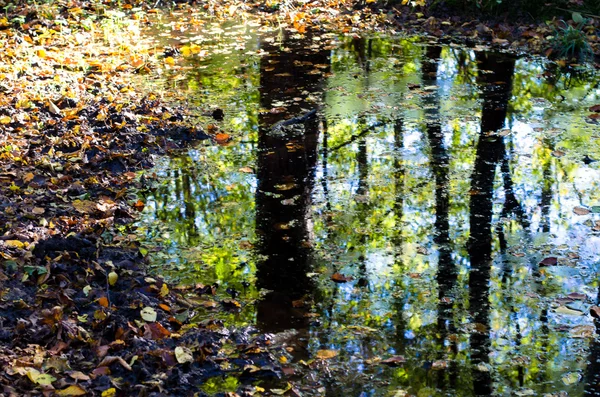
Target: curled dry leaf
pixel 109 360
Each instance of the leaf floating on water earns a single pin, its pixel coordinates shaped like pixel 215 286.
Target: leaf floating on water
pixel 340 278
pixel 222 138
pixel 570 378
pixel 549 261
pixel 567 311
pixel 595 311
pixel 246 170
pixel 581 211
pixel 439 365
pixel 583 331
pixel 394 361
pixel 595 109
pixel 577 296
pixel 326 354
pixel 558 153
pixel 422 250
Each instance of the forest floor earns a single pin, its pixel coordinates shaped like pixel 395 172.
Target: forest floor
pixel 79 315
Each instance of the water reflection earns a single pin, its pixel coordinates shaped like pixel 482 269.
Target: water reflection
pixel 438 177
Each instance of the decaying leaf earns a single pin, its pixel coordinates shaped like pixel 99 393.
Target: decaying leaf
pixel 108 360
pixel 183 355
pixel 148 314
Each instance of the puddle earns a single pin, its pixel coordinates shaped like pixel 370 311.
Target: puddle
pixel 435 228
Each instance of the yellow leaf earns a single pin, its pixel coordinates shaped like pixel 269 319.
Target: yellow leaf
pixel 14 244
pixel 170 61
pixel 326 354
pixel 5 120
pixel 73 390
pixel 112 278
pixel 164 291
pixel 148 314
pixel 84 206
pixel 109 392
pixel 186 51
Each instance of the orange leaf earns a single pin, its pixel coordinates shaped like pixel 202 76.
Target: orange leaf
pixel 103 301
pixel 222 138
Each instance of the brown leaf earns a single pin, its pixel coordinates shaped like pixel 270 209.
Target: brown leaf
pixel 155 331
pixel 108 360
pixel 595 109
pixel 103 301
pixel 549 261
pixel 395 361
pixel 581 211
pixel 222 138
pixel 340 278
pixel 595 311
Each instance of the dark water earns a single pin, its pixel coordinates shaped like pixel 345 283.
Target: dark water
pixel 455 186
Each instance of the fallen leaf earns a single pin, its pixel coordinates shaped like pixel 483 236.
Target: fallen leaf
pixel 222 138
pixel 549 261
pixel 567 311
pixel 112 278
pixel 581 211
pixel 326 354
pixel 108 360
pixel 109 392
pixel 84 206
pixel 394 361
pixel 340 278
pixel 103 301
pixel 156 331
pixel 595 311
pixel 183 355
pixel 595 109
pixel 73 390
pixel 583 331
pixel 148 314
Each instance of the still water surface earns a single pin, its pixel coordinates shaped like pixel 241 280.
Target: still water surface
pixel 454 189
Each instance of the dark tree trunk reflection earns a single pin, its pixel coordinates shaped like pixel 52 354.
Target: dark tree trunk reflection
pixel 285 179
pixel 439 162
pixel 496 91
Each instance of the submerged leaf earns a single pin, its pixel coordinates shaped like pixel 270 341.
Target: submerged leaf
pixel 326 354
